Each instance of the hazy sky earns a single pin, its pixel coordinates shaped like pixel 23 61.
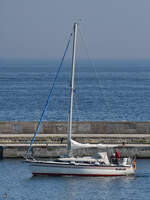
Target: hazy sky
pixel 113 29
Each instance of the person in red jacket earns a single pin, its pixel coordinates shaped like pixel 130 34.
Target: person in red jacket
pixel 117 156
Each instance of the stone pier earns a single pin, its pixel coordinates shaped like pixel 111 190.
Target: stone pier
pixel 133 138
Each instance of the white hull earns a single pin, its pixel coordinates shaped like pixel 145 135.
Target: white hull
pixel 61 169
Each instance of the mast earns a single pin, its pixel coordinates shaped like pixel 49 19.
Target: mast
pixel 72 88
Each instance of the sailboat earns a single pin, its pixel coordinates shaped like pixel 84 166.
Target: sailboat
pixel 97 165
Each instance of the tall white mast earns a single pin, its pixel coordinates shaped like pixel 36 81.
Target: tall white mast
pixel 72 88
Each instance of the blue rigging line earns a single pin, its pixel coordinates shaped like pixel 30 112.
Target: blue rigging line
pixel 48 99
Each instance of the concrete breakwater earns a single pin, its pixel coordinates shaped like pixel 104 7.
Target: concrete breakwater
pixel 133 138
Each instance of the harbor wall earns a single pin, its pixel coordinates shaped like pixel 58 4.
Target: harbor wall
pixel 133 138
pixel 53 151
pixel 121 127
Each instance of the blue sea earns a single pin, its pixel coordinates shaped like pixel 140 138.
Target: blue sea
pixel 17 183
pixel 105 90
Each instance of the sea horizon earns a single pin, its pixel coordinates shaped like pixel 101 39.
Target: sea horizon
pixel 105 90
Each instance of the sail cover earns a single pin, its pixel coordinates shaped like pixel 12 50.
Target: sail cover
pixel 77 145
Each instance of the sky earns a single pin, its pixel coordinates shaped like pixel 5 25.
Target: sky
pixel 39 29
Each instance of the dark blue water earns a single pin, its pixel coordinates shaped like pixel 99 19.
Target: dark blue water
pixel 17 183
pixel 111 90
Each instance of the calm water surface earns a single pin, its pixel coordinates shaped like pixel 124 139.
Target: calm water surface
pixel 16 183
pixel 120 91
pixel 110 91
